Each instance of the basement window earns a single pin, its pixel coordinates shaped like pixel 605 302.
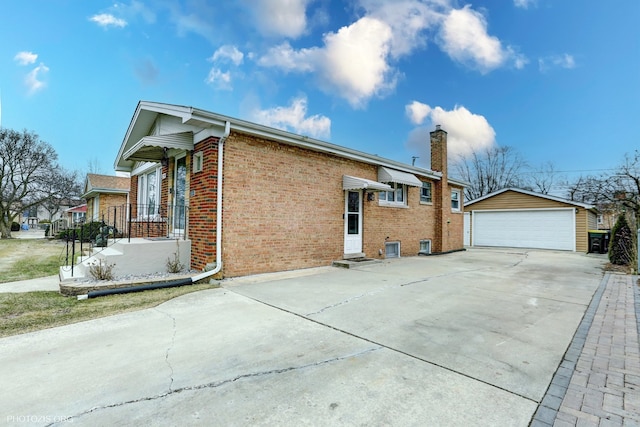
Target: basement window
pixel 425 247
pixel 392 249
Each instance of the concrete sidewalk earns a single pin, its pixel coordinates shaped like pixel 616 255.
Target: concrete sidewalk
pixel 49 283
pixel 598 381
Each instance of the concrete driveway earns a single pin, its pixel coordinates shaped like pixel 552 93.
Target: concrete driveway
pixel 469 338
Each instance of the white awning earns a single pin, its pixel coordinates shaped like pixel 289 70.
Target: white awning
pixel 353 183
pixel 151 148
pixel 391 175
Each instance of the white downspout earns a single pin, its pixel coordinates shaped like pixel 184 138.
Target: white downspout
pixel 221 141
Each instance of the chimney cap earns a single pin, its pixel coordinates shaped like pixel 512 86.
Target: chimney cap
pixel 438 127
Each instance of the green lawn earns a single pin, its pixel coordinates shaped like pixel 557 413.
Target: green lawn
pixel 31 311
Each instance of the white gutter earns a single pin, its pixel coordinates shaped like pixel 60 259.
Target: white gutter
pixel 223 138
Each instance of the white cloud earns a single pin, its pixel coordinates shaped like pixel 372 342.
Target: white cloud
pixel 285 18
pixel 353 62
pixel 417 112
pixel 34 81
pixel 286 58
pixel 219 80
pixel 294 118
pixel 524 4
pixel 408 20
pixel 467 132
pixel 565 61
pixel 25 58
pixel 228 52
pixel 464 37
pixel 107 20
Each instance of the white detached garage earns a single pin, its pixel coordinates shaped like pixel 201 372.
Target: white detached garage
pixel 524 219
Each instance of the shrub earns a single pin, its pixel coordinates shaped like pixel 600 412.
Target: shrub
pixel 101 270
pixel 87 232
pixel 621 247
pixel 173 264
pixel 15 226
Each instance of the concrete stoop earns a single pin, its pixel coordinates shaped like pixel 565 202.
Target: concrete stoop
pixel 354 262
pixel 130 258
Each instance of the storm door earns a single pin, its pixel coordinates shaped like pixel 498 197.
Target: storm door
pixel 353 222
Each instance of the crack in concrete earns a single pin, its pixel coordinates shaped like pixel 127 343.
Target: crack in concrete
pixel 413 282
pixel 220 383
pixel 173 340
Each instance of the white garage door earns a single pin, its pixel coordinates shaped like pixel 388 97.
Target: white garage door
pixel 539 228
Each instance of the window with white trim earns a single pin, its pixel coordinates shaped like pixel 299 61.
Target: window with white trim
pixel 425 192
pixel 149 194
pixel 425 247
pixel 197 162
pixel 397 196
pixel 455 200
pixel 600 219
pixel 392 249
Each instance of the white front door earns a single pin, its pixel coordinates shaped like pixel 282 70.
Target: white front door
pixel 353 222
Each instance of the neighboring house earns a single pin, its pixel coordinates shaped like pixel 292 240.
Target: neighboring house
pixel 253 199
pixel 76 214
pixel 513 217
pixel 107 198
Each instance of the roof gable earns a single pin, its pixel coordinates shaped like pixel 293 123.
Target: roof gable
pixel 520 198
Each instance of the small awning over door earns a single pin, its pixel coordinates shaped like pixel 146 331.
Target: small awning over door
pixel 392 175
pixel 353 183
pixel 151 148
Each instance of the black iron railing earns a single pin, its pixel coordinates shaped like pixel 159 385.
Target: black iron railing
pixel 124 222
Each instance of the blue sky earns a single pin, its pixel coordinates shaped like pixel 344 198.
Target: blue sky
pixel 558 80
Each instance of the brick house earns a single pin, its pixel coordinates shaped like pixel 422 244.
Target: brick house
pixel 253 199
pixel 107 197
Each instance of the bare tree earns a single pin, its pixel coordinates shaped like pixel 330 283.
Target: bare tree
pixel 543 178
pixel 26 163
pixel 63 188
pixel 490 170
pixel 617 191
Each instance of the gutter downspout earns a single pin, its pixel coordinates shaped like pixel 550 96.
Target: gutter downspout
pixel 221 141
pixel 194 279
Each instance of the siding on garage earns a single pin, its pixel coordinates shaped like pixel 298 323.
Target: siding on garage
pixel 510 199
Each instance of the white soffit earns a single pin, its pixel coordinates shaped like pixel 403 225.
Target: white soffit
pixel 392 175
pixel 150 148
pixel 353 183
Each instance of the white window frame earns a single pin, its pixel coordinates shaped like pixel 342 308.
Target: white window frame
pixel 397 189
pixel 423 198
pixel 427 243
pixel 96 208
pixel 144 193
pixel 388 244
pixel 457 208
pixel 198 162
pixel 600 219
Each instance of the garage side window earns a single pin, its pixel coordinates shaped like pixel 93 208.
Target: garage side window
pixel 455 200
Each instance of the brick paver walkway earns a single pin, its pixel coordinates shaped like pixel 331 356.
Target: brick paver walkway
pixel 598 382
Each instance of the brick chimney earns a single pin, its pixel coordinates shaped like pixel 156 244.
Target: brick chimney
pixel 439 151
pixel 441 194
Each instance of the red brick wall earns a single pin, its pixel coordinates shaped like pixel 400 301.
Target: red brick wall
pixel 283 209
pixel 202 199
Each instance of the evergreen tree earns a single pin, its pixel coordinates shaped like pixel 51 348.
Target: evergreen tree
pixel 621 247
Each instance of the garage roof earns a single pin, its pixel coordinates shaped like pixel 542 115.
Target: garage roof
pixel 530 193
